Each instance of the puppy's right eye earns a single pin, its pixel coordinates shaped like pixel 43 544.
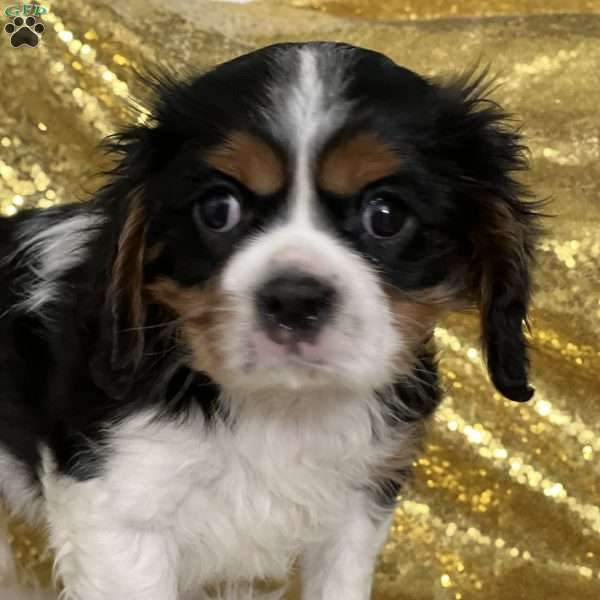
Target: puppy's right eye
pixel 219 210
pixel 383 220
pixel 385 217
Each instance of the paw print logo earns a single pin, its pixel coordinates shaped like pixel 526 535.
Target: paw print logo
pixel 24 31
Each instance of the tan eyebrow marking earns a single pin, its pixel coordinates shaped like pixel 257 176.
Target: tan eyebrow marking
pixel 251 161
pixel 347 167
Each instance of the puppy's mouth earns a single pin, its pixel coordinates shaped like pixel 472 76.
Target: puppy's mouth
pixel 288 349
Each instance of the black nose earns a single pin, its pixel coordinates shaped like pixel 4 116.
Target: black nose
pixel 294 306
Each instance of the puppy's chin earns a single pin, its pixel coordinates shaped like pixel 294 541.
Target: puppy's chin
pixel 261 365
pixel 291 376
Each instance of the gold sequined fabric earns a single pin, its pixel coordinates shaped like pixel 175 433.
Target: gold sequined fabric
pixel 505 499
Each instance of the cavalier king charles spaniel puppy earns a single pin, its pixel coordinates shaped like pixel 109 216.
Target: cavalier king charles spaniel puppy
pixel 220 365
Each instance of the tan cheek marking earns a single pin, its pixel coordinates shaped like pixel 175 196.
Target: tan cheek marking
pixel 415 321
pixel 349 166
pixel 203 313
pixel 250 161
pixel 416 314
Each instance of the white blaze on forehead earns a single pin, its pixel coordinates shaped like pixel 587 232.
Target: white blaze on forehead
pixel 359 348
pixel 314 109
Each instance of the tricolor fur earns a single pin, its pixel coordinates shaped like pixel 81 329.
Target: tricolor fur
pixel 220 365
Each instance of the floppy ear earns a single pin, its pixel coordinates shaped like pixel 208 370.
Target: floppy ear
pixel 124 339
pixel 121 336
pixel 502 225
pixel 124 294
pixel 503 254
pixel 121 339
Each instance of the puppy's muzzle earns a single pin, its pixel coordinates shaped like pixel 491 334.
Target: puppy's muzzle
pixel 294 307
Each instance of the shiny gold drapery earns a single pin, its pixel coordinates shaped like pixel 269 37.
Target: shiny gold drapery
pixel 505 501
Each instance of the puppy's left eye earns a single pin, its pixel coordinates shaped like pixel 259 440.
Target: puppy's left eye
pixel 384 218
pixel 220 210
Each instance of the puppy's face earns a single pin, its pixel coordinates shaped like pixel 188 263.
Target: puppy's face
pixel 307 212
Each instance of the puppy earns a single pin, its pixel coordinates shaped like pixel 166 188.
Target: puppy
pixel 222 362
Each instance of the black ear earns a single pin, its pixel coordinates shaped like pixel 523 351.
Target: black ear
pixel 502 220
pixel 121 338
pixel 130 329
pixel 502 248
pixel 124 294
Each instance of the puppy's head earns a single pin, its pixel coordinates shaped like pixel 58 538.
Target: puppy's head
pixel 306 212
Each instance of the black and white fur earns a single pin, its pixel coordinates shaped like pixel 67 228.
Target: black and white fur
pixel 155 476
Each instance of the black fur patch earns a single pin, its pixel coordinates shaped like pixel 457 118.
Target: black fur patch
pixel 413 399
pixel 60 384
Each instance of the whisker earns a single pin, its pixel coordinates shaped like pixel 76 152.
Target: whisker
pixel 155 326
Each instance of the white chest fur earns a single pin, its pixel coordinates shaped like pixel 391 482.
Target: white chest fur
pixel 237 499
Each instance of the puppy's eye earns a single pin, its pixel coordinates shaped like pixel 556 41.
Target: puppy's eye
pixel 382 218
pixel 220 210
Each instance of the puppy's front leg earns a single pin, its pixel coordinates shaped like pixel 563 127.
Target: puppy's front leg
pixel 341 567
pixel 113 562
pixel 106 548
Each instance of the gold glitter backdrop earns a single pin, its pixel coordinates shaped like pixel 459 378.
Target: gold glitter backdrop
pixel 504 504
